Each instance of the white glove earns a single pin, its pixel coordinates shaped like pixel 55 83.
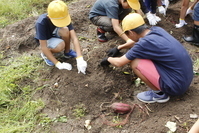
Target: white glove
pixel 63 65
pixel 158 19
pixel 166 3
pixel 151 18
pixel 189 11
pixel 181 23
pixel 162 10
pixel 81 65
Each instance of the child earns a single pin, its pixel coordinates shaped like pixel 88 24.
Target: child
pixel 163 63
pixel 54 32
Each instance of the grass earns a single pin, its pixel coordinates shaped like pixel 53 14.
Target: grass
pixel 19 112
pixel 16 10
pixel 196 64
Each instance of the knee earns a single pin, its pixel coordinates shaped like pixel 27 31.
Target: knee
pixel 134 64
pixel 60 47
pixel 64 32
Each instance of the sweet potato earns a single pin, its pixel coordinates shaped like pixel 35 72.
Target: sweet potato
pixel 121 108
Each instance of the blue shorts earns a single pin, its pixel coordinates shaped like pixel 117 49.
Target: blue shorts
pixel 55 40
pixel 196 12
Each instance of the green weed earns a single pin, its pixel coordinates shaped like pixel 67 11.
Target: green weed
pixel 79 111
pixel 19 112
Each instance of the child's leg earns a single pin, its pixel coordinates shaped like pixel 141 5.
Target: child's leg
pixel 147 72
pixel 104 22
pixel 148 4
pixel 153 6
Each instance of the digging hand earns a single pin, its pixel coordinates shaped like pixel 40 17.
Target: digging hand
pixel 105 62
pixel 113 52
pixel 63 65
pixel 81 65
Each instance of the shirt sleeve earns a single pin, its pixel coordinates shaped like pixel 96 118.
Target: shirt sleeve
pixel 40 32
pixel 70 27
pixel 112 10
pixel 135 52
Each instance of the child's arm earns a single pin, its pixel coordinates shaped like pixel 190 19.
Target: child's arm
pixel 195 127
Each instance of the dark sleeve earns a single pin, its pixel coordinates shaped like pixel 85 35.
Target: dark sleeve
pixel 143 7
pixel 70 27
pixel 134 52
pixel 40 32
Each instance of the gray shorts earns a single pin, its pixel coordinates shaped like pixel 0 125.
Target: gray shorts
pixel 105 21
pixel 196 12
pixel 55 40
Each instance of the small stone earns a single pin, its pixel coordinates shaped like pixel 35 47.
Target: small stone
pixel 193 116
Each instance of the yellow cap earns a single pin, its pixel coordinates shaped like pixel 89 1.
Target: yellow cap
pixel 134 4
pixel 132 21
pixel 58 13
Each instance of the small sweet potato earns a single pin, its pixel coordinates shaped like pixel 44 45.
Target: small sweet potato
pixel 121 108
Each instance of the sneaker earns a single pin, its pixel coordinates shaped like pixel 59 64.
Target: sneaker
pixel 101 35
pixel 70 54
pixel 48 62
pixel 151 97
pixel 180 24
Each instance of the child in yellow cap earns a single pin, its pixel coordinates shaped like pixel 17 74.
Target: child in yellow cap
pixel 107 15
pixel 54 31
pixel 157 58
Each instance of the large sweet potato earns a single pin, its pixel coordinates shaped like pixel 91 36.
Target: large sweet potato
pixel 121 108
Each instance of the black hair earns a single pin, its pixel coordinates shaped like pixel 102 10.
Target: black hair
pixel 139 29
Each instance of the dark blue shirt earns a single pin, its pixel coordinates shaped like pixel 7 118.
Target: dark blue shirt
pixel 109 8
pixel 44 27
pixel 170 58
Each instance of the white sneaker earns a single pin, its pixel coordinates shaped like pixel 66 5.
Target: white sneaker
pixel 181 24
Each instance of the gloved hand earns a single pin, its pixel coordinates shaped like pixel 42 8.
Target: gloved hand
pixel 151 18
pixel 181 24
pixel 113 52
pixel 81 65
pixel 166 3
pixel 63 65
pixel 158 19
pixel 105 62
pixel 162 10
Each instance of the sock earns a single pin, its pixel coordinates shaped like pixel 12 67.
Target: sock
pixel 159 92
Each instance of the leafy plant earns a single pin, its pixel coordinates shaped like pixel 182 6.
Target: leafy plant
pixel 79 110
pixel 60 119
pixel 117 119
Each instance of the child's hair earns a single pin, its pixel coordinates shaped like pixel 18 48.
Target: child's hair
pixel 139 29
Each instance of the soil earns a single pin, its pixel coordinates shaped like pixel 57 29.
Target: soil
pixel 100 87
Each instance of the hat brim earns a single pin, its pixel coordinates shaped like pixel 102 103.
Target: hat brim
pixel 134 5
pixel 61 22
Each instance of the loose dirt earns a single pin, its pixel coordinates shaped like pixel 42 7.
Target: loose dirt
pixel 101 85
